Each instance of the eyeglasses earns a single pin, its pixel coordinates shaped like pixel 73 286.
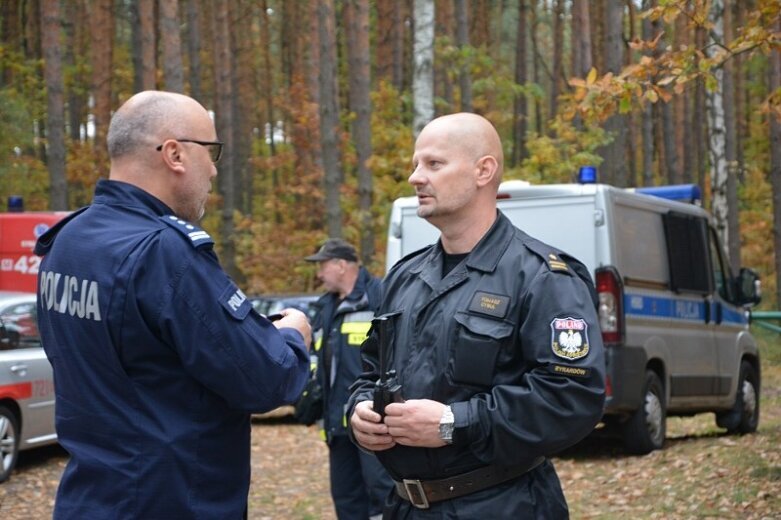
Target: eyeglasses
pixel 214 147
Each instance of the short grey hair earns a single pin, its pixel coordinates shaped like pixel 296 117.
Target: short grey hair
pixel 141 121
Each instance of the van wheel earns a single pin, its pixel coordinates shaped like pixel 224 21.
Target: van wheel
pixel 9 442
pixel 645 430
pixel 743 417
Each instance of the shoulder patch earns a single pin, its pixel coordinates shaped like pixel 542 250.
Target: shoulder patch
pixel 235 302
pixel 195 235
pixel 569 338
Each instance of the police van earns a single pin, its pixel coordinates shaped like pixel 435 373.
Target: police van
pixel 674 319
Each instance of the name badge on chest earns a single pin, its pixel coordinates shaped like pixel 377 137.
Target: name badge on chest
pixel 491 304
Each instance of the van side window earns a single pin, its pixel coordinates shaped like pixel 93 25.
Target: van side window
pixel 687 252
pixel 721 271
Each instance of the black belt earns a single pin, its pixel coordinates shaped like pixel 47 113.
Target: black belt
pixel 421 493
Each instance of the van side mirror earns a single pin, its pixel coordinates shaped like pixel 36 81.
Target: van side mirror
pixel 749 287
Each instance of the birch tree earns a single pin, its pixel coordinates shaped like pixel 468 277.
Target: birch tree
pixel 722 151
pixel 423 65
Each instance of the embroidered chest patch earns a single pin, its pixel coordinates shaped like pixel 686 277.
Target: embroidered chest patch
pixel 569 338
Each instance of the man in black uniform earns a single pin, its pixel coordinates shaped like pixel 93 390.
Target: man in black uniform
pixel 496 346
pixel 359 484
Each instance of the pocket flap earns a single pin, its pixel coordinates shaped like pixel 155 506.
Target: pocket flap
pixel 484 326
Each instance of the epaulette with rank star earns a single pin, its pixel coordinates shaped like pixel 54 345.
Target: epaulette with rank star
pixel 195 235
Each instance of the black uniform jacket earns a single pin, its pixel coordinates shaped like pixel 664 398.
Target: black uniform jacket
pixel 509 338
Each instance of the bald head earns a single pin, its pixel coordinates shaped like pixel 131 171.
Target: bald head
pixel 473 134
pixel 147 118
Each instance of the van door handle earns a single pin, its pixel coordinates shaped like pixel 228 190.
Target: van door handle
pixel 707 311
pixel 18 368
pixel 718 313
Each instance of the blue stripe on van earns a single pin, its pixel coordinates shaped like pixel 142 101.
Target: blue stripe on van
pixel 679 309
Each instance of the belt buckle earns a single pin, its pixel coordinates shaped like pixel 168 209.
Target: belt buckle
pixel 415 493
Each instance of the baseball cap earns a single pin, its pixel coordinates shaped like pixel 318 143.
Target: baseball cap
pixel 334 248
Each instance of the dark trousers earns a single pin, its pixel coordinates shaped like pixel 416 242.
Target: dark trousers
pixel 359 483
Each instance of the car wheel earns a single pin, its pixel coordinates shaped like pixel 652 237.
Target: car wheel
pixel 646 428
pixel 743 417
pixel 9 442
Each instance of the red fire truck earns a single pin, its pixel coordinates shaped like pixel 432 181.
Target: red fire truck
pixel 18 233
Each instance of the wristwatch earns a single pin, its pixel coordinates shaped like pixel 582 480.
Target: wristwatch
pixel 447 425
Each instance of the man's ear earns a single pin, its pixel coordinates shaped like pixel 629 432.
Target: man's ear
pixel 172 155
pixel 487 167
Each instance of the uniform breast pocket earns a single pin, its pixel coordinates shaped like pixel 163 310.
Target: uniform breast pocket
pixel 478 342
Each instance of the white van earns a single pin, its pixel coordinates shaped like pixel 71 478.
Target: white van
pixel 674 319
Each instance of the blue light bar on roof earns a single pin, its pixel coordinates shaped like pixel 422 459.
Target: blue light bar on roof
pixel 587 175
pixel 15 204
pixel 680 192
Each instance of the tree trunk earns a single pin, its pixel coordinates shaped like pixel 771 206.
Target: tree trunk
pixel 520 102
pixel 775 160
pixel 55 110
pixel 224 124
pixel 598 9
pixel 142 13
pixel 102 30
pixel 648 110
pixel 538 126
pixel 445 26
pixel 243 47
pixel 614 154
pixel 670 148
pixel 699 117
pixel 731 152
pixel 558 56
pixel 721 120
pixel 268 100
pixel 462 40
pixel 171 40
pixel 423 68
pixel 75 45
pixel 581 38
pixel 329 117
pixel 194 49
pixel 359 57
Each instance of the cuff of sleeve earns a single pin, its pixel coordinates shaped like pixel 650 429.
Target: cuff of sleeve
pixel 291 335
pixel 461 421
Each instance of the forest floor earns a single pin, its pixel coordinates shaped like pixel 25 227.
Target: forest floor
pixel 701 473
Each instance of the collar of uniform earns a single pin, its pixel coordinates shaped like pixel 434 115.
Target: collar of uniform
pixel 486 253
pixel 118 192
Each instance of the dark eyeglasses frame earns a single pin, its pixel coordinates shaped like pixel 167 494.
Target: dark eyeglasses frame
pixel 215 156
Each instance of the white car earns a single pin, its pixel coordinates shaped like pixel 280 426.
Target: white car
pixel 26 383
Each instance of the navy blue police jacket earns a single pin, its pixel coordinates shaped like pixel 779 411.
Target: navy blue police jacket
pixel 158 362
pixel 339 329
pixel 509 339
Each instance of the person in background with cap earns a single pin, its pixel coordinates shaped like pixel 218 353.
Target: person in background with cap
pixel 359 484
